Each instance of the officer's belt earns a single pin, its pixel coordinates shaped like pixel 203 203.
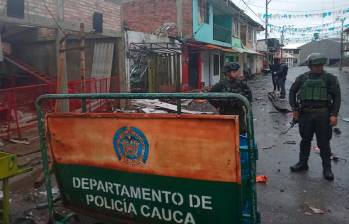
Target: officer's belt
pixel 315 109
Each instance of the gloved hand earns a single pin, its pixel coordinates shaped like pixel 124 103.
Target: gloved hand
pixel 333 120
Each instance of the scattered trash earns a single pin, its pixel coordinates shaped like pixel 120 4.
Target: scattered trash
pixel 186 102
pixel 44 204
pixel 316 210
pixel 337 131
pixel 2 144
pixel 153 111
pixel 157 104
pixel 307 213
pixel 282 190
pixel 292 124
pixel 267 147
pixel 346 119
pixel 261 179
pixel 337 159
pixel 20 141
pixel 200 101
pixel 25 220
pixel 290 142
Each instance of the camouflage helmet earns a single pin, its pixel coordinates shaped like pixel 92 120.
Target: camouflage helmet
pixel 316 59
pixel 231 66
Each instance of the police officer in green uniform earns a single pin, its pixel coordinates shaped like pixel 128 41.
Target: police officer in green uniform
pixel 232 84
pixel 315 98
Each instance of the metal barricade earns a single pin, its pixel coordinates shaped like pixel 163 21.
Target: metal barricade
pixel 142 168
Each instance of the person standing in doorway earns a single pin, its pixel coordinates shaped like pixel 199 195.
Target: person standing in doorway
pixel 315 99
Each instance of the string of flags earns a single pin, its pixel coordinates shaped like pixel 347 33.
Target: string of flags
pixel 328 27
pixel 336 13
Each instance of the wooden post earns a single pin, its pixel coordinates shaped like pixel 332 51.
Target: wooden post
pixel 82 58
pixel 62 77
pixel 82 65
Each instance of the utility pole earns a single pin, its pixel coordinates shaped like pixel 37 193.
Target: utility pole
pixel 266 21
pixel 179 26
pixel 266 26
pixel 282 40
pixel 342 45
pixel 179 22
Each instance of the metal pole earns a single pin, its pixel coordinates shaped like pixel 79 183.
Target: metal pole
pixel 282 41
pixel 342 46
pixel 266 23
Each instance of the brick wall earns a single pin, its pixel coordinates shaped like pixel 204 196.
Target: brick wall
pixel 148 15
pixel 83 10
pixel 75 11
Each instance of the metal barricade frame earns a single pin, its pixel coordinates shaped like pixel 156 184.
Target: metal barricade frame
pixel 125 96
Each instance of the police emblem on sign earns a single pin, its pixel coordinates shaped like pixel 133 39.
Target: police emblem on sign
pixel 131 146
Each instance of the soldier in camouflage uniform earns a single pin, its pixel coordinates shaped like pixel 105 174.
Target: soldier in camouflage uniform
pixel 232 84
pixel 315 98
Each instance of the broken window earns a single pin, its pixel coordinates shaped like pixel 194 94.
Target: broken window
pixel 15 8
pixel 204 8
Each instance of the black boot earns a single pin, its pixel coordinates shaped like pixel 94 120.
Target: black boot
pixel 300 166
pixel 328 175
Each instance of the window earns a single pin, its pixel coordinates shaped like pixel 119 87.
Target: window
pixel 250 33
pixel 204 8
pixel 15 8
pixel 236 27
pixel 216 64
pixel 98 22
pixel 296 51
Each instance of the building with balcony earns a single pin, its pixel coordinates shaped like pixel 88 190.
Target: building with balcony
pixel 212 32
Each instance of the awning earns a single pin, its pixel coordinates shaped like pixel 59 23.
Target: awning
pixel 239 50
pixel 250 51
pixel 213 47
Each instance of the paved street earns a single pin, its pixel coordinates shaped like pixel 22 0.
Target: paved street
pixel 286 197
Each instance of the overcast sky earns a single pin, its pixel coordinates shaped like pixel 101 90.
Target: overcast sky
pixel 297 7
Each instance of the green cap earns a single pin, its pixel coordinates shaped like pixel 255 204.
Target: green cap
pixel 316 59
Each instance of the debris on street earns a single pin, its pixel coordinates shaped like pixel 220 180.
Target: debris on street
pixel 316 210
pixel 280 105
pixel 346 119
pixel 290 142
pixel 262 179
pixel 19 141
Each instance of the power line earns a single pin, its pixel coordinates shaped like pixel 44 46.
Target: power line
pixel 252 10
pixel 53 17
pixel 299 11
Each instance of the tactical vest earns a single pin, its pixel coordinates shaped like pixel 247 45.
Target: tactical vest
pixel 314 89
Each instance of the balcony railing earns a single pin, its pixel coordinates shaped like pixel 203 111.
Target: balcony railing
pixel 221 33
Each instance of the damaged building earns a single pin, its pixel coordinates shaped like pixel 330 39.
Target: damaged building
pixel 57 46
pixel 211 33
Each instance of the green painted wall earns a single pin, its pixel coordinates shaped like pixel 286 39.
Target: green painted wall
pixel 204 32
